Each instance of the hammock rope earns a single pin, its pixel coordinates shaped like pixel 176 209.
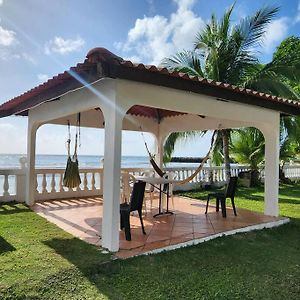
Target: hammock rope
pixel 161 173
pixel 71 176
pixel 157 169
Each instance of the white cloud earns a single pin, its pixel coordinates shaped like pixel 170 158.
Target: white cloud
pixel 64 46
pixel 7 41
pixel 153 38
pixel 275 33
pixel 42 77
pixel 7 37
pixel 1 2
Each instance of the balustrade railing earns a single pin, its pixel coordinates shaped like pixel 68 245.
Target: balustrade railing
pixel 11 183
pixel 292 171
pixel 49 182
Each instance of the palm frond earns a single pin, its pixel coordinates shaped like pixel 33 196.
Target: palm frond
pixel 270 84
pixel 253 28
pixel 186 62
pixel 247 147
pixel 217 152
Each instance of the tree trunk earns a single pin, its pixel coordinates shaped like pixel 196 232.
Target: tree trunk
pixel 282 177
pixel 225 139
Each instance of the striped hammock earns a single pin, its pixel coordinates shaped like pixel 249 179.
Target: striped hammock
pixel 161 173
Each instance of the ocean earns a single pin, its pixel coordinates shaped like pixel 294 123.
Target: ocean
pixel 10 161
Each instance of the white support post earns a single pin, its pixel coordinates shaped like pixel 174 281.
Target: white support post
pixel 159 150
pixel 272 169
pixel 30 173
pixel 21 181
pixel 111 180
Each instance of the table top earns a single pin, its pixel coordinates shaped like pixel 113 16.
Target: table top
pixel 155 180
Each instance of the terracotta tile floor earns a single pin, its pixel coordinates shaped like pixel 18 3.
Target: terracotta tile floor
pixel 83 218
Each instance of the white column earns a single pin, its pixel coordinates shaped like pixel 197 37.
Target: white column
pixel 30 173
pixel 159 150
pixel 272 147
pixel 21 181
pixel 111 180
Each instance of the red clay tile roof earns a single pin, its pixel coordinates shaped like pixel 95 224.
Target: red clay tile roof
pixel 102 63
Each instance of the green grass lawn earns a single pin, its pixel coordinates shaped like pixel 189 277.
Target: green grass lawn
pixel 40 261
pixel 253 199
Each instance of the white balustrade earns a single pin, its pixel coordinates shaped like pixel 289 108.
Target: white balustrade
pixel 8 184
pixel 53 183
pixel 49 182
pixel 50 188
pixel 61 187
pixel 292 171
pixel 93 181
pixel 85 183
pixel 5 186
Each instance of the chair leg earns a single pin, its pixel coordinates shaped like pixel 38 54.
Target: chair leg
pixel 208 198
pixel 223 206
pixel 151 200
pixel 126 224
pixel 141 219
pixel 217 204
pixel 145 206
pixel 172 198
pixel 172 195
pixel 121 221
pixel 233 206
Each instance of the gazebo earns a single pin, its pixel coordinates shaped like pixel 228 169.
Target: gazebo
pixel 117 95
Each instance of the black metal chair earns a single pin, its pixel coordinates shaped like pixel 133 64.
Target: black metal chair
pixel 222 196
pixel 136 204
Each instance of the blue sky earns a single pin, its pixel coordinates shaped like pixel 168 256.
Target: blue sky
pixel 41 38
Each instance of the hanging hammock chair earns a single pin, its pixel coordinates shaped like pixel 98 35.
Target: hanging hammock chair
pixel 71 176
pixel 161 173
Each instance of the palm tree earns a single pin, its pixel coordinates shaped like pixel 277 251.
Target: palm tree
pixel 225 53
pixel 248 147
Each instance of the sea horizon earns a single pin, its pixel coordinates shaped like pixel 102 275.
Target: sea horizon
pixel 9 161
pixel 58 161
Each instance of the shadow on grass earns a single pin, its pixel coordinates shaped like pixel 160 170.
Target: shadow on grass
pixel 13 208
pixel 88 259
pixel 5 246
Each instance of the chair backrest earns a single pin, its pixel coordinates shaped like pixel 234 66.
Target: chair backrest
pixel 231 187
pixel 137 196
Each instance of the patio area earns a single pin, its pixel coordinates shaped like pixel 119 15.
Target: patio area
pixel 82 217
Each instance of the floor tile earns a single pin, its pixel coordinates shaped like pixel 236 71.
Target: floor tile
pixel 83 218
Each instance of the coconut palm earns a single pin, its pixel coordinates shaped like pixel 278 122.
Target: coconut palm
pixel 225 52
pixel 248 146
